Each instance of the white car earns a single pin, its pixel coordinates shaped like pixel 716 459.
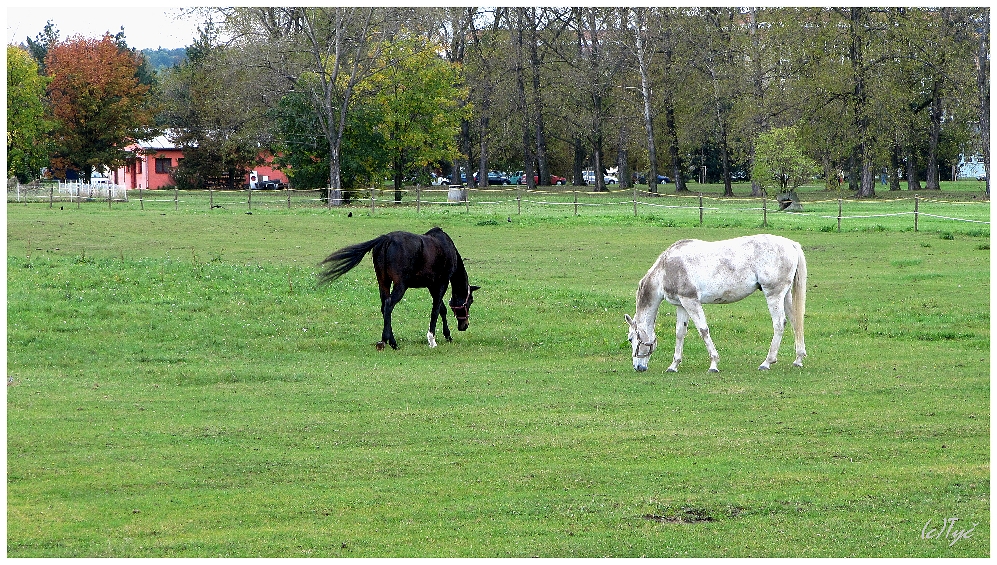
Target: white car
pixel 589 178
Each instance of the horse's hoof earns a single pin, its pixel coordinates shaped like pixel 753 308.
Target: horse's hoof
pixel 671 370
pixel 393 345
pixel 379 346
pixel 800 365
pixel 763 367
pixel 712 370
pixel 431 339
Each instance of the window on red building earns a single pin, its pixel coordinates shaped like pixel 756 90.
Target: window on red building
pixel 164 166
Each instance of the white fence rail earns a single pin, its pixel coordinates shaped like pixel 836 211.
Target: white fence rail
pixel 73 191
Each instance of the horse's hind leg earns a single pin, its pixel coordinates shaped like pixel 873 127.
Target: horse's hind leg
pixel 384 289
pixel 801 348
pixel 681 328
pixel 387 335
pixel 777 308
pixel 698 316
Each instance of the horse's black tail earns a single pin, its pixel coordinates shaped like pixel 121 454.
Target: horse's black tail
pixel 345 259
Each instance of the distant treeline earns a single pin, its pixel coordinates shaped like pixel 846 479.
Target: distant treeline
pixel 159 59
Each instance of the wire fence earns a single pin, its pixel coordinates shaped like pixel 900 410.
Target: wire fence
pixel 831 213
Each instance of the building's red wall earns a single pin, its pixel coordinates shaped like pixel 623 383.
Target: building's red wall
pixel 159 180
pixel 142 173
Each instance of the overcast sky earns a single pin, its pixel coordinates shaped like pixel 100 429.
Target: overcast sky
pixel 145 28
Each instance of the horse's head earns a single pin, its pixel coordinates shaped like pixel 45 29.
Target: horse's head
pixel 642 342
pixel 462 307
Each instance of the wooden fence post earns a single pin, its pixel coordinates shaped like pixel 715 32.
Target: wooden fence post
pixel 288 189
pixel 765 210
pixel 51 195
pixel 635 201
pixel 176 199
pixel 372 200
pixel 839 215
pixel 700 209
pixel 141 201
pixel 418 198
pixel 575 192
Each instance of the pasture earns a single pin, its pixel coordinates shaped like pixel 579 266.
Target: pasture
pixel 180 387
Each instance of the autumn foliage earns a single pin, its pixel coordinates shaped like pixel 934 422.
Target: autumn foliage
pixel 98 102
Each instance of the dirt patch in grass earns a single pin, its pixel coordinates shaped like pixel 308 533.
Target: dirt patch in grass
pixel 683 516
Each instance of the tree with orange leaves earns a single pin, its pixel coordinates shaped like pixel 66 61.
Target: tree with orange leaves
pixel 98 102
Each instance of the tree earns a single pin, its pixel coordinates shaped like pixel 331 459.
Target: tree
pixel 39 46
pixel 214 110
pixel 643 54
pixel 418 104
pixel 98 102
pixel 779 159
pixel 27 126
pixel 301 149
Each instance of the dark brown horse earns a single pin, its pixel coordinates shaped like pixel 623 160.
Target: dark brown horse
pixel 405 260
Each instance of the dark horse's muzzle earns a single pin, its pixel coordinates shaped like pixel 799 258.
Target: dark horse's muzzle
pixel 461 313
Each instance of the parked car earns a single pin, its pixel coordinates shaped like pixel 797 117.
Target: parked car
pixel 495 177
pixel 589 178
pixel 271 184
pixel 662 179
pixel 554 179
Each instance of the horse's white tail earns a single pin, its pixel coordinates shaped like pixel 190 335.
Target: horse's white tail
pixel 800 305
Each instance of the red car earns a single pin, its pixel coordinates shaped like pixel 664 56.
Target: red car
pixel 554 179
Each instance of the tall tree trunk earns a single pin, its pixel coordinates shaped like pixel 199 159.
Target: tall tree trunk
pixel 623 159
pixel 758 91
pixel 859 30
pixel 645 89
pixel 595 64
pixel 482 158
pixel 673 145
pixel 466 158
pixel 931 181
pixel 543 167
pixel 579 161
pixel 913 182
pixel 983 85
pixel 521 105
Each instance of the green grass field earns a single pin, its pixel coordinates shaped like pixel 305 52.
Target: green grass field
pixel 179 387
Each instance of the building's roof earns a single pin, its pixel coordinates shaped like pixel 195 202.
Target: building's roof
pixel 158 142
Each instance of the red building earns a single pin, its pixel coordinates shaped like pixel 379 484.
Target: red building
pixel 159 156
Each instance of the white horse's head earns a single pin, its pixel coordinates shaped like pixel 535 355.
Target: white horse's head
pixel 642 341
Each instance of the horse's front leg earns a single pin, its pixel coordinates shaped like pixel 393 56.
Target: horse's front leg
pixel 443 318
pixel 681 328
pixel 698 316
pixel 437 310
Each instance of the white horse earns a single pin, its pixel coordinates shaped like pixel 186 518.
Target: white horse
pixel 691 273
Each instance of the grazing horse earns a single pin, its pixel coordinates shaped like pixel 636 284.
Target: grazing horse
pixel 407 260
pixel 691 273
